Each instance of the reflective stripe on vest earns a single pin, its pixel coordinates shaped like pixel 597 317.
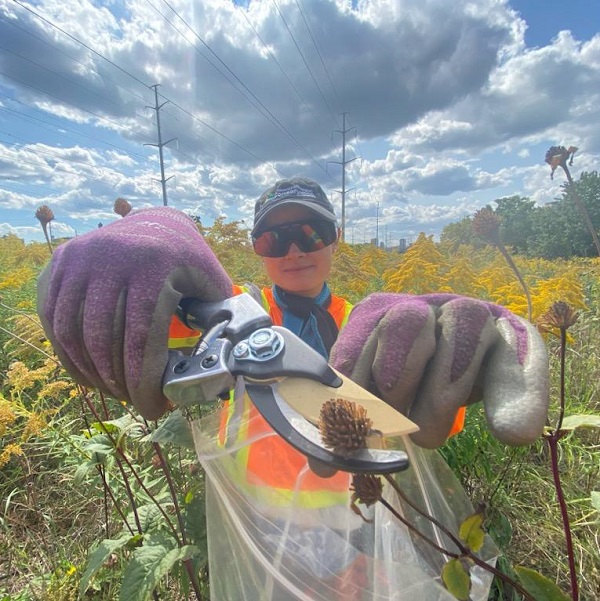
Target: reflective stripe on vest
pixel 180 336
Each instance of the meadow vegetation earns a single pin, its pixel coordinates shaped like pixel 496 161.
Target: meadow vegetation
pixel 95 501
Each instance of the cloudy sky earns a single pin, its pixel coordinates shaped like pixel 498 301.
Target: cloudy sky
pixel 443 105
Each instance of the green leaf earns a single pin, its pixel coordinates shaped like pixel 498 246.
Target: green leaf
pixel 596 500
pixel 540 588
pixel 456 579
pixel 119 425
pixel 150 563
pixel 175 429
pixel 194 519
pixel 471 532
pixel 150 518
pixel 573 422
pixel 100 444
pixel 83 469
pixel 98 557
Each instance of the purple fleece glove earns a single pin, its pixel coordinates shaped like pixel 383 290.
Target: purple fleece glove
pixel 429 355
pixel 106 301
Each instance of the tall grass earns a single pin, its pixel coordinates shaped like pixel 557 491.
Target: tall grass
pixel 49 521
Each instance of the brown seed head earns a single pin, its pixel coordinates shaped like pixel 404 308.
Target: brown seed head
pixel 344 425
pixel 121 207
pixel 557 156
pixel 44 215
pixel 366 489
pixel 486 225
pixel 560 315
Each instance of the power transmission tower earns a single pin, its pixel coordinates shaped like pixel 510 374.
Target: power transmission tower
pixel 160 144
pixel 343 163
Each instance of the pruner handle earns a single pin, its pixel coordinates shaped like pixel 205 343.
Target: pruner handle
pixel 243 314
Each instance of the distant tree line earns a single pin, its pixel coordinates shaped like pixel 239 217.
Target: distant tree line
pixel 555 230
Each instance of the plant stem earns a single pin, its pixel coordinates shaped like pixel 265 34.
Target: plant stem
pixel 516 271
pixel 563 352
pixel 105 486
pixel 414 529
pixel 553 439
pixel 45 229
pixel 464 550
pixel 572 188
pixel 121 456
pixel 188 564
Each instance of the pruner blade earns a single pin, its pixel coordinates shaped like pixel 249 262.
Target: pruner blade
pixel 306 438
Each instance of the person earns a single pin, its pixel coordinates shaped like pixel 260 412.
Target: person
pixel 107 301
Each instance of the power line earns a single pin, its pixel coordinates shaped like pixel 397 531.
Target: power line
pixel 71 81
pixel 31 118
pixel 222 135
pixel 253 99
pixel 84 65
pixel 20 81
pixel 305 62
pixel 274 58
pixel 72 37
pixel 138 80
pixel 256 157
pixel 320 56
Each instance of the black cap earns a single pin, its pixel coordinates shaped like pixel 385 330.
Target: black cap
pixel 298 191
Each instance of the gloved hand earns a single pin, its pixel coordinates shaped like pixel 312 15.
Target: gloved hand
pixel 107 298
pixel 429 355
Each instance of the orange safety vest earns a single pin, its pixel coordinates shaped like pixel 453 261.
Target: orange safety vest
pixel 269 466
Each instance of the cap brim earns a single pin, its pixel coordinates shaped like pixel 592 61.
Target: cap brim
pixel 315 208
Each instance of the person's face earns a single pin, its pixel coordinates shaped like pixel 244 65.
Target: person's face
pixel 298 272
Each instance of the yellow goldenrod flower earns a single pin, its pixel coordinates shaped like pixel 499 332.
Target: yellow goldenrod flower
pixel 53 390
pixel 34 426
pixel 7 416
pixel 8 451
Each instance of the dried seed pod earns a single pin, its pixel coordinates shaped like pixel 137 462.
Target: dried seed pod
pixel 486 225
pixel 121 207
pixel 366 489
pixel 560 315
pixel 557 156
pixel 44 215
pixel 344 425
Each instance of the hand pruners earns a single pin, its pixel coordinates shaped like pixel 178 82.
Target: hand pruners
pixel 286 379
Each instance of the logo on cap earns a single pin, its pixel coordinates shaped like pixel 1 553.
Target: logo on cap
pixel 291 192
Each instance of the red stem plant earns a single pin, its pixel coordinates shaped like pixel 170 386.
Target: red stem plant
pixel 561 317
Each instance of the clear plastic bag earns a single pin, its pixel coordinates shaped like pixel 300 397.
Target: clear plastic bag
pixel 278 549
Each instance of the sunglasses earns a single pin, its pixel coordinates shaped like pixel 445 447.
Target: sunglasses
pixel 308 236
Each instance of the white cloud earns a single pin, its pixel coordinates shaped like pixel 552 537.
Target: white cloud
pixel 445 86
